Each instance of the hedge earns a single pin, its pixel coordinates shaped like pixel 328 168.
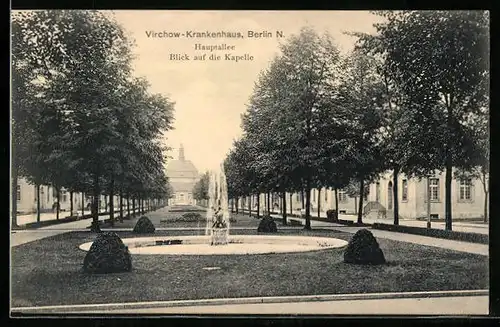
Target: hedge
pixel 51 222
pixel 438 233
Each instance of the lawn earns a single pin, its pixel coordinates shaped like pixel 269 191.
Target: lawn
pixel 162 218
pixel 48 272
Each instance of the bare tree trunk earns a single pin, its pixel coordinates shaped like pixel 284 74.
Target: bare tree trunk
pixel 360 211
pixel 336 191
pixel 237 201
pixel 291 205
pixel 486 194
pixel 485 207
pixel 71 204
pixel 58 206
pixel 258 206
pixel 38 202
pixel 121 206
pixel 308 205
pixel 268 203
pixel 95 205
pixel 250 206
pixel 128 206
pixel 449 166
pixel 283 205
pixel 112 201
pixel 395 197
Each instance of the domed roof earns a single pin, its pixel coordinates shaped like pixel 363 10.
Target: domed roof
pixel 181 167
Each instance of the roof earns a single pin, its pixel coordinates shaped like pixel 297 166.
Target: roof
pixel 182 168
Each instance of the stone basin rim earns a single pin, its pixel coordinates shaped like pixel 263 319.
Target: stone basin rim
pixel 238 244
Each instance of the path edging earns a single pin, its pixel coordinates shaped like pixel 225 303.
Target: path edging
pixel 82 308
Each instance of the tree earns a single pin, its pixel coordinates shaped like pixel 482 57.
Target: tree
pixel 96 128
pixel 352 190
pixel 361 98
pixel 285 120
pixel 200 189
pixel 440 60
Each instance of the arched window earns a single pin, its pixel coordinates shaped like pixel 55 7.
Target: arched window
pixel 389 196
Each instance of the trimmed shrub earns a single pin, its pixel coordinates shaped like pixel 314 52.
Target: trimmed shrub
pixel 363 249
pixel 107 254
pixel 95 227
pixel 232 220
pixel 331 214
pixel 267 225
pixel 144 226
pixel 439 233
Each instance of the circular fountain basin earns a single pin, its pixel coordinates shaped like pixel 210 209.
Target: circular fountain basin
pixel 238 244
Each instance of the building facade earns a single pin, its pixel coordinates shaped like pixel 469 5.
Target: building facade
pixel 27 199
pixel 467 196
pixel 468 199
pixel 182 176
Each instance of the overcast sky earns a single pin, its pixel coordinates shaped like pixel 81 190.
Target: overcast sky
pixel 209 95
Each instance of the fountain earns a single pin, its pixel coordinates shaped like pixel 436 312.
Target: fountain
pixel 217 241
pixel 218 211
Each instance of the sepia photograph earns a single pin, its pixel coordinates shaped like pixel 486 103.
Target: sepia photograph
pixel 176 162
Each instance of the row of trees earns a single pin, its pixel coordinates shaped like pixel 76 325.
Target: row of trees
pixel 412 99
pixel 200 189
pixel 80 119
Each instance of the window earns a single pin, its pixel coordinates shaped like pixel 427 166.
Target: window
pixel 18 193
pixel 326 195
pixel 377 192
pixel 313 195
pixel 342 196
pixel 465 189
pixel 35 194
pixel 297 197
pixel 64 196
pixel 404 192
pixel 434 189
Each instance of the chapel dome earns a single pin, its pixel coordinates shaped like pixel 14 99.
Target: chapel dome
pixel 181 168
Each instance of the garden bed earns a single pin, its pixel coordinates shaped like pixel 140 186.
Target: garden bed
pixel 439 233
pixel 49 272
pixel 290 218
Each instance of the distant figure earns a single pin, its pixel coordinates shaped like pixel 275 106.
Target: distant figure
pixel 56 206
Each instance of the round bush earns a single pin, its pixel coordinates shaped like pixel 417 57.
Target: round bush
pixel 107 254
pixel 267 225
pixel 363 249
pixel 331 214
pixel 144 226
